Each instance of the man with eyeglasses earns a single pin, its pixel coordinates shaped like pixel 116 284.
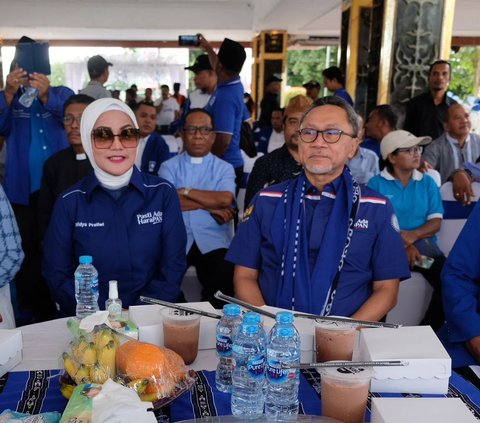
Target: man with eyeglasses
pixel 66 167
pixel 283 163
pixel 417 203
pixel 320 243
pixel 206 189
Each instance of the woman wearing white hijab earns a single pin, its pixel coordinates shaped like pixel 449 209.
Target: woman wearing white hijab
pixel 129 222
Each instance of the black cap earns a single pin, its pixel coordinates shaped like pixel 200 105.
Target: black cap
pixel 273 78
pixel 311 84
pixel 201 63
pixel 232 55
pixel 96 66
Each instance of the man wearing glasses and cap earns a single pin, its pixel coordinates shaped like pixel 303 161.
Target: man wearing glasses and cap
pixel 98 71
pixel 205 80
pixel 320 243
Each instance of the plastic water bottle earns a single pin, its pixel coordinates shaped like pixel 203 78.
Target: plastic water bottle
pixel 86 287
pixel 248 376
pixel 283 347
pixel 227 327
pixel 28 96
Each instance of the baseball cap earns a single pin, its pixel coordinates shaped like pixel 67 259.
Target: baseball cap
pixel 201 63
pixel 400 139
pixel 96 65
pixel 312 83
pixel 232 55
pixel 273 78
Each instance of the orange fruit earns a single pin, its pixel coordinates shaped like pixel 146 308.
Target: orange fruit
pixel 163 367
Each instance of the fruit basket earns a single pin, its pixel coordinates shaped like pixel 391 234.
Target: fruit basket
pixel 157 374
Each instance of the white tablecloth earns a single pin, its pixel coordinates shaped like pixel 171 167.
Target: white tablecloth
pixel 44 343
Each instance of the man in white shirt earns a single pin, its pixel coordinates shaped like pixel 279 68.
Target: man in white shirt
pixel 167 110
pixel 270 138
pixel 205 82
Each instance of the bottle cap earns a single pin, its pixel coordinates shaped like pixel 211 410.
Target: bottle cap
pixel 113 290
pixel 231 309
pixel 284 317
pixel 251 318
pixel 85 260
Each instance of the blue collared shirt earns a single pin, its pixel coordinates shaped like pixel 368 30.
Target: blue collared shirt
pixel 138 239
pixel 227 107
pixel 205 173
pixel 375 253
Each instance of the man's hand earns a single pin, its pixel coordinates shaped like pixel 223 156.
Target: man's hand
pixel 15 79
pixel 223 215
pixel 408 237
pixel 424 166
pixel 462 187
pixel 413 255
pixel 41 83
pixel 473 347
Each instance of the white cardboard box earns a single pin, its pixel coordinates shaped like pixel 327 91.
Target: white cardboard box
pixel 148 318
pixel 438 410
pixel 10 349
pixel 429 365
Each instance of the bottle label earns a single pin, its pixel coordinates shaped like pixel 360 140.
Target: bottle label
pixel 275 373
pixel 94 286
pixel 224 345
pixel 256 367
pixel 114 309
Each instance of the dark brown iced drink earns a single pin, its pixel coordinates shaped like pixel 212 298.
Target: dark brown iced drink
pixel 345 393
pixel 334 340
pixel 180 333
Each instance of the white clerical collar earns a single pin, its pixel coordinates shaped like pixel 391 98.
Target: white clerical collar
pixel 80 156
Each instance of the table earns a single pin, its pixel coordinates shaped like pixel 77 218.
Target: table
pixel 33 385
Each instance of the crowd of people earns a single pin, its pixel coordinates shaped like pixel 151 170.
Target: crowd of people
pixel 338 210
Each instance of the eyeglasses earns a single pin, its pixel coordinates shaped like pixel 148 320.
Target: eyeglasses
pixel 69 119
pixel 104 137
pixel 411 150
pixel 204 130
pixel 330 136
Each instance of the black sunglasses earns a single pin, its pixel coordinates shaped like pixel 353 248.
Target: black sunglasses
pixel 103 137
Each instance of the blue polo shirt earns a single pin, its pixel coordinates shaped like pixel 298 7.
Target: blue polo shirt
pixel 138 239
pixel 376 251
pixel 227 107
pixel 205 173
pixel 414 204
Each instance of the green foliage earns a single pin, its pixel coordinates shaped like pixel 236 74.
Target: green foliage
pixel 465 71
pixel 304 65
pixel 57 76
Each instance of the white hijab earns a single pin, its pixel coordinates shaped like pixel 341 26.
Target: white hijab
pixel 89 117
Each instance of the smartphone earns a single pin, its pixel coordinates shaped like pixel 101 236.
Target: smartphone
pixel 33 57
pixel 189 40
pixel 425 263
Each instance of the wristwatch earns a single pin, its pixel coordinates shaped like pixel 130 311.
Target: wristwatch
pixel 186 191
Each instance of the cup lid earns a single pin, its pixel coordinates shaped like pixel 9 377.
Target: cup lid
pixel 336 326
pixel 347 374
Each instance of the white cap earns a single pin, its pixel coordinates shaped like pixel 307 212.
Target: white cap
pixel 113 290
pixel 400 139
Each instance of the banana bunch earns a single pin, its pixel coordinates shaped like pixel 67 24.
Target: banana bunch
pixel 92 358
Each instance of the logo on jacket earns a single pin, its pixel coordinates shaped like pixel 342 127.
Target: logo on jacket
pixel 150 218
pixel 361 224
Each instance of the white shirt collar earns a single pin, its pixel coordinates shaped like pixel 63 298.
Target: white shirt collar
pixel 385 174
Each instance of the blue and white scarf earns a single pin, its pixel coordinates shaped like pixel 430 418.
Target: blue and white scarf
pixel 299 288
